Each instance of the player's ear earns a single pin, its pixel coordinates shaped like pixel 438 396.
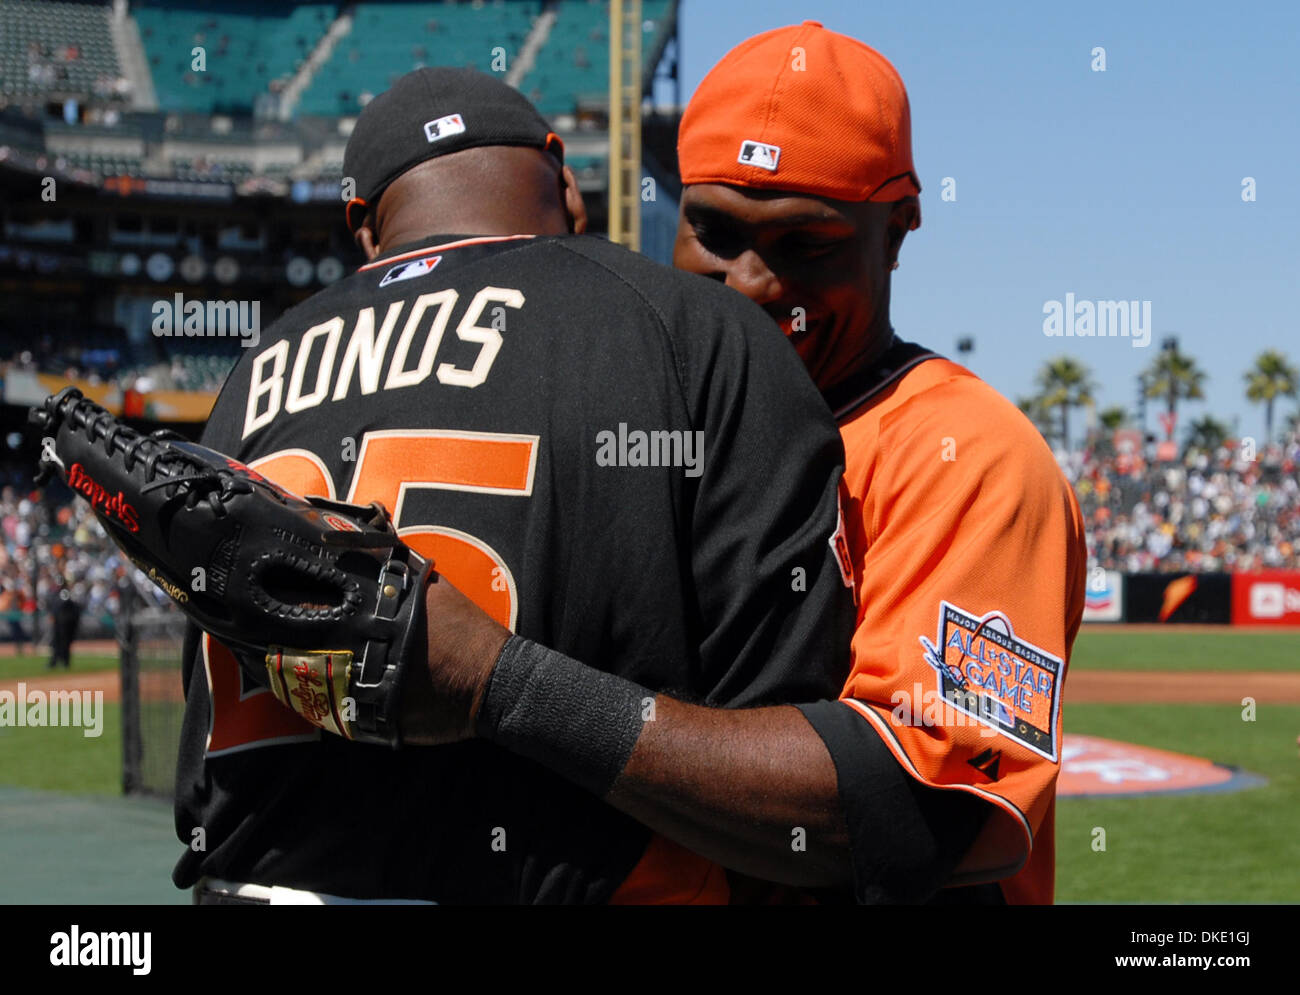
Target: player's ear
pixel 574 206
pixel 364 236
pixel 902 216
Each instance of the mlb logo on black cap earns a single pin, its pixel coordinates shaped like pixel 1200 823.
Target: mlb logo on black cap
pixel 394 131
pixel 444 127
pixel 759 154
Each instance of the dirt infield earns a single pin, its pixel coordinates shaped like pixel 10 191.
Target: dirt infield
pixel 1081 687
pixel 87 647
pixel 1122 628
pixel 154 686
pixel 1181 687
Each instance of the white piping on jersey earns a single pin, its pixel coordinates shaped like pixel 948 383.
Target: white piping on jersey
pixel 896 748
pixel 848 408
pixel 482 240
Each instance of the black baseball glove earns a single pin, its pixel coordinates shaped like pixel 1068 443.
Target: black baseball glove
pixel 324 592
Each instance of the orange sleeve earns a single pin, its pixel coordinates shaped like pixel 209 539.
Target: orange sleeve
pixel 969 561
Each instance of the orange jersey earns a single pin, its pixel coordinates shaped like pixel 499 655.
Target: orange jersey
pixel 969 559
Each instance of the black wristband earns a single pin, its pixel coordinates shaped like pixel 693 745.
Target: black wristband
pixel 578 721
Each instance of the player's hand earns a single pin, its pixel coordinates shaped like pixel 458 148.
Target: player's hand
pixel 442 700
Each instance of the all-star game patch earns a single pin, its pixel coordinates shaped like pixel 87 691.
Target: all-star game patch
pixel 985 671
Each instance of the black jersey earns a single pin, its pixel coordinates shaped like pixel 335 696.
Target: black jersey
pixel 623 462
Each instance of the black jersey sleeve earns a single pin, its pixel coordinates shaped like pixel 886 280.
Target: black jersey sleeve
pixel 767 511
pixel 775 608
pixel 905 837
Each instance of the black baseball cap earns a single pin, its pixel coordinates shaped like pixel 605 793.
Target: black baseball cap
pixel 432 112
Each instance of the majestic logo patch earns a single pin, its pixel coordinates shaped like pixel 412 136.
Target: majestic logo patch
pixel 987 763
pixel 759 154
pixel 409 271
pixel 444 127
pixel 1009 685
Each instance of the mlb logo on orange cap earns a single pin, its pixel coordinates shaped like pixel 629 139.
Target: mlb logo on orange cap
pixel 759 154
pixel 444 127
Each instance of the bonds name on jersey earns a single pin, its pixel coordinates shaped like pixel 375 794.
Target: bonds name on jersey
pixel 474 386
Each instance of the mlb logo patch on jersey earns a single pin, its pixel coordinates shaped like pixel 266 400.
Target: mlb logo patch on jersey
pixel 444 127
pixel 1007 684
pixel 759 154
pixel 409 271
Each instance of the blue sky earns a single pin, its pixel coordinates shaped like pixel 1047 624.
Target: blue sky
pixel 1123 184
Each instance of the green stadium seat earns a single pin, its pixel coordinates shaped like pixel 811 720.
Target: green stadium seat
pixel 389 39
pixel 248 45
pixel 574 62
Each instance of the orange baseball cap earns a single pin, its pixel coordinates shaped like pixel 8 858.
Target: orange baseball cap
pixel 806 110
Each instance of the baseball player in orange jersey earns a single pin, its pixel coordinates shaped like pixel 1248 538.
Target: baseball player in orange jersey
pixel 932 778
pixel 967 543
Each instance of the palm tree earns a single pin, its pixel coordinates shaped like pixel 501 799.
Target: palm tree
pixel 1102 436
pixel 1065 383
pixel 1174 376
pixel 1112 418
pixel 1292 424
pixel 1206 434
pixel 1270 378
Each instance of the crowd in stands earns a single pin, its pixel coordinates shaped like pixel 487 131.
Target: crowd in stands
pixel 52 546
pixel 1231 510
pixel 47 68
pixel 58 50
pixel 181 371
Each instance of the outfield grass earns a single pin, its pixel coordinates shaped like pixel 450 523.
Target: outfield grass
pixel 64 759
pixel 1238 847
pixel 1216 648
pixel 14 668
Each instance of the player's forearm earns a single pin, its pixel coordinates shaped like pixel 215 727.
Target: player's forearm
pixel 754 790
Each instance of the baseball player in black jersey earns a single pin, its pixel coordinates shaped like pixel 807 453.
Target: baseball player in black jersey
pixel 620 461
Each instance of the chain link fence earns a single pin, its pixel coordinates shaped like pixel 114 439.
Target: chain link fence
pixel 152 699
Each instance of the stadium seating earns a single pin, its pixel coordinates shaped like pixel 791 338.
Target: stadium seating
pixel 248 45
pixel 55 50
pixel 389 39
pixel 574 62
pixel 199 371
pixel 101 165
pixel 55 345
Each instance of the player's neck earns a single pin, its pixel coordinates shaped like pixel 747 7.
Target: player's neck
pixel 400 232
